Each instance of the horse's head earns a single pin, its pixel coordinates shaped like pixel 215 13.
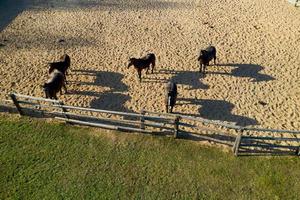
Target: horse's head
pixel 51 68
pixel 131 61
pixel 66 59
pixel 202 55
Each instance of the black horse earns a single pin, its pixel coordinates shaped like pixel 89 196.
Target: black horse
pixel 62 65
pixel 205 56
pixel 143 63
pixel 54 84
pixel 171 95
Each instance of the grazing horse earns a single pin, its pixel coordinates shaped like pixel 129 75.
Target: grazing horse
pixel 142 63
pixel 61 65
pixel 54 84
pixel 205 56
pixel 171 95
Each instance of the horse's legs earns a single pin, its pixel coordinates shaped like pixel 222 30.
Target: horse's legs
pixel 54 96
pixel 200 70
pixel 65 77
pixel 172 101
pixel 204 68
pixel 65 88
pixel 147 69
pixel 167 100
pixel 140 75
pixel 215 57
pixel 153 65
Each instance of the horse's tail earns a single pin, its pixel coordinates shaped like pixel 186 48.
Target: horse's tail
pixel 153 60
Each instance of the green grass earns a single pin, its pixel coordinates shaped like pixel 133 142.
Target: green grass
pixel 39 160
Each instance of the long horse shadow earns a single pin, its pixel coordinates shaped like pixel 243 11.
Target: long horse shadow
pixel 112 80
pixel 245 70
pixel 189 78
pixel 218 110
pixel 111 100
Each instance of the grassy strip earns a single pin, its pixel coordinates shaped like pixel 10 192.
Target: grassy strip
pixel 39 160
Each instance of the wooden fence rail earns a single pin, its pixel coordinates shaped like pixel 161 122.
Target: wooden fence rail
pixel 149 122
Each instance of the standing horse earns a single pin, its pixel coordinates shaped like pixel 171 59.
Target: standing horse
pixel 54 84
pixel 171 96
pixel 143 63
pixel 62 65
pixel 205 56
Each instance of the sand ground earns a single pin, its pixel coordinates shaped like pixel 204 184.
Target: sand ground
pixel 255 82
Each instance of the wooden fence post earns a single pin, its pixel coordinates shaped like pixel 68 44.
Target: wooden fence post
pixel 14 99
pixel 176 126
pixel 142 120
pixel 237 143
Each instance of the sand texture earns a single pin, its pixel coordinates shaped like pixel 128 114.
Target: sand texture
pixel 255 82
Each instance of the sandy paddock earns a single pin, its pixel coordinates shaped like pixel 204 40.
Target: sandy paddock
pixel 256 81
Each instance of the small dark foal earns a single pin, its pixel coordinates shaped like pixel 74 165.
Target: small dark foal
pixel 205 56
pixel 170 96
pixel 143 63
pixel 54 84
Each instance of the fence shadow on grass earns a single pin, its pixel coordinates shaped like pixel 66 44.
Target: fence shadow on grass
pixel 8 109
pixel 227 140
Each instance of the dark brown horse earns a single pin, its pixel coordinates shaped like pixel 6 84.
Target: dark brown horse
pixel 143 63
pixel 170 96
pixel 54 84
pixel 205 56
pixel 62 65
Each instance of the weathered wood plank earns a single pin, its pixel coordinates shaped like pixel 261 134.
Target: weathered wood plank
pixel 35 98
pixel 206 137
pixel 100 125
pixel 268 146
pixel 6 101
pixel 270 138
pixel 271 130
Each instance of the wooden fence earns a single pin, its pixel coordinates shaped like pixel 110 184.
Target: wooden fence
pixel 179 126
pixel 295 2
